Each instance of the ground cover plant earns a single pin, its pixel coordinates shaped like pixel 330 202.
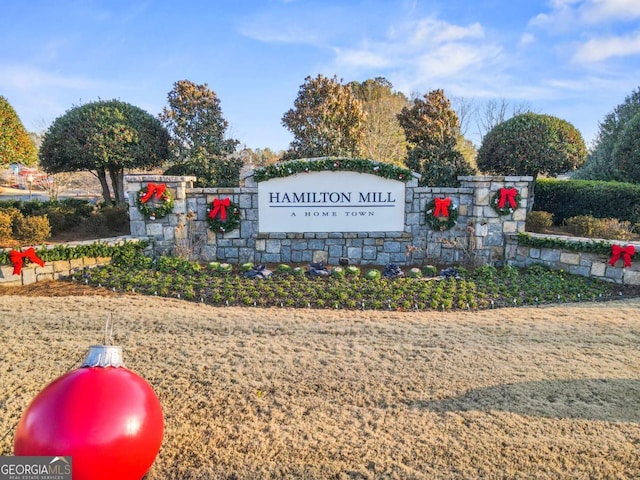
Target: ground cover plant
pixel 227 285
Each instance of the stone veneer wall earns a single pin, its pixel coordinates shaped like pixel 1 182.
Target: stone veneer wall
pixel 32 273
pixel 578 263
pixel 478 235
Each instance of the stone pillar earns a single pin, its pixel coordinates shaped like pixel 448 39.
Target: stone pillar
pixel 160 232
pixel 489 228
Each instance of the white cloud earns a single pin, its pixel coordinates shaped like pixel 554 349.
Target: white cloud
pixel 294 34
pixel 603 48
pixel 363 58
pixel 568 14
pixel 527 39
pixel 28 78
pixel 427 47
pixel 597 11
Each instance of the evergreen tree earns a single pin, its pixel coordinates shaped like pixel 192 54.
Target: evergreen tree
pixel 15 144
pixel 432 129
pixel 327 120
pixel 198 143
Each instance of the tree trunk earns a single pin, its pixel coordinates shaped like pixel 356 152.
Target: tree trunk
pixel 106 193
pixel 117 181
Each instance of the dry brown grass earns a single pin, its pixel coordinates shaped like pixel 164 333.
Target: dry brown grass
pixel 533 393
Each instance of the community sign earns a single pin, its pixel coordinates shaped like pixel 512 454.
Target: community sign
pixel 331 201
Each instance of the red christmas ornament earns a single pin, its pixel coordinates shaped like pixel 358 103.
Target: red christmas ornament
pixel 103 415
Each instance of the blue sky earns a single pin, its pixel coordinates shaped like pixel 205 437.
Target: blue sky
pixel 575 59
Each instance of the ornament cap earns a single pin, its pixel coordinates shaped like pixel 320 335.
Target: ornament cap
pixel 104 356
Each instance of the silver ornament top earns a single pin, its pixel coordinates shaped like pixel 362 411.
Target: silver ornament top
pixel 103 356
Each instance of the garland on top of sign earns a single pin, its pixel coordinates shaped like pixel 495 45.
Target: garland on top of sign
pixel 361 165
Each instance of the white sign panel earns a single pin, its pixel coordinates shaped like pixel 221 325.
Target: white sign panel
pixel 331 202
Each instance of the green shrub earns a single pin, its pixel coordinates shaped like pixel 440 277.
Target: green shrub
pixel 245 267
pixel 225 268
pixel 571 198
pixel 213 266
pixel 415 273
pixel 63 215
pixel 13 213
pixel 462 272
pixel 32 230
pixel 538 221
pixel 167 264
pixel 114 218
pixel 485 272
pixel 607 228
pixel 373 275
pixel 352 271
pixel 337 272
pixel 284 268
pixel 298 271
pixel 429 271
pixel 6 230
pixel 509 271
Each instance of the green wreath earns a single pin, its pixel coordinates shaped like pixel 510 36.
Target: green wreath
pixel 507 208
pixel 155 207
pixel 230 223
pixel 441 223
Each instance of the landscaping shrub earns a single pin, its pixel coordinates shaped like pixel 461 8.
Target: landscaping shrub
pixel 538 221
pixel 284 269
pixel 32 230
pixel 113 218
pixel 6 222
pixel 373 275
pixel 429 271
pixel 64 215
pixel 166 264
pixel 485 272
pixel 415 273
pixel 607 228
pixel 571 198
pixel 337 272
pixel 352 271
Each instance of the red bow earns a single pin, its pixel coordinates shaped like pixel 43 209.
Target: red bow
pixel 626 252
pixel 442 207
pixel 507 195
pixel 154 189
pixel 17 259
pixel 220 206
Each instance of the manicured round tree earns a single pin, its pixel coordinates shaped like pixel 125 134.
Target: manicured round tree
pixel 532 144
pixel 105 137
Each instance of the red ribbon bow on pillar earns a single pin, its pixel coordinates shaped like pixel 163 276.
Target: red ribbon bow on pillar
pixel 17 259
pixel 442 207
pixel 220 206
pixel 625 252
pixel 507 195
pixel 153 189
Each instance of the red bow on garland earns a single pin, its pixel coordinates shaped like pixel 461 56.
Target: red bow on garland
pixel 220 206
pixel 625 252
pixel 507 195
pixel 153 189
pixel 17 259
pixel 442 207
